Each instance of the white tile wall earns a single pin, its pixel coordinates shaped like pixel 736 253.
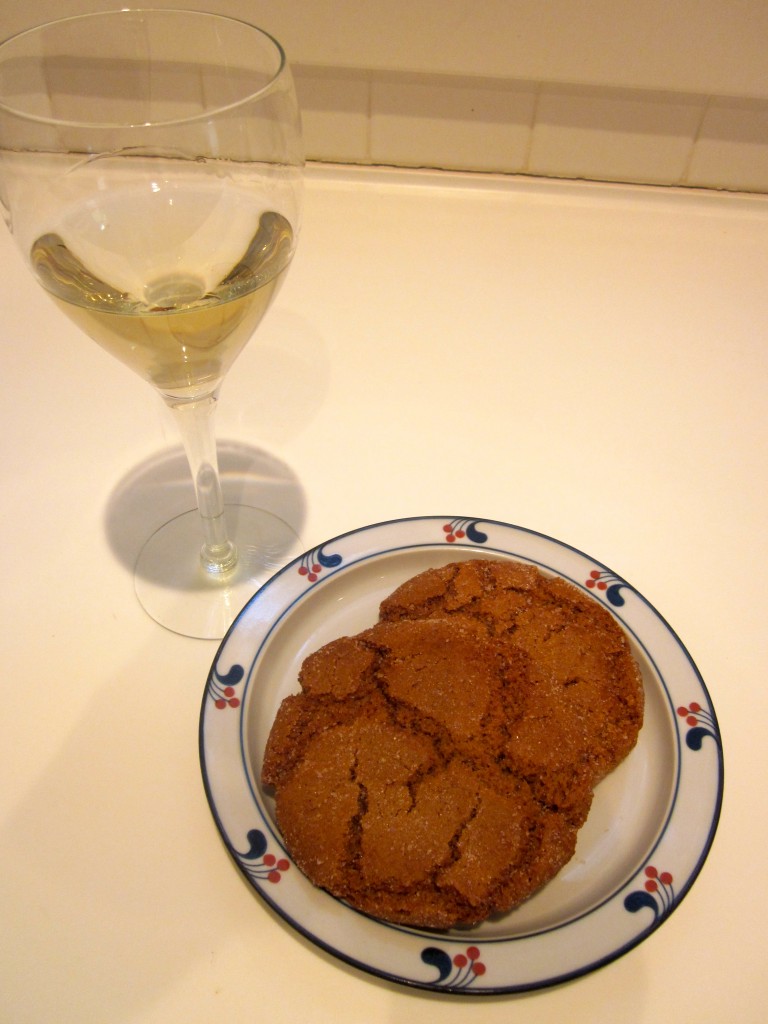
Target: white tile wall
pixel 336 108
pixel 546 129
pixel 472 124
pixel 732 146
pixel 614 135
pixel 668 92
pixel 704 47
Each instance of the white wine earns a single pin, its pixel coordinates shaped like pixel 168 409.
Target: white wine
pixel 179 335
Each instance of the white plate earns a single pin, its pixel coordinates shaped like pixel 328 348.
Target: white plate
pixel 652 821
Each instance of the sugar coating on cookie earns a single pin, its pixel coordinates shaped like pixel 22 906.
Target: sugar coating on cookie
pixel 435 769
pixel 586 703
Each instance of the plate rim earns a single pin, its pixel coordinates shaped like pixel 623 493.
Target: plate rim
pixel 449 938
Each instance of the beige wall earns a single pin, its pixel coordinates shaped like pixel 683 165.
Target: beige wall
pixel 661 91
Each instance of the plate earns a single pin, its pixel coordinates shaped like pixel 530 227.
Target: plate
pixel 652 820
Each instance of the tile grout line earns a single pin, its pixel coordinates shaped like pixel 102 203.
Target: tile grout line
pixel 531 128
pixel 685 176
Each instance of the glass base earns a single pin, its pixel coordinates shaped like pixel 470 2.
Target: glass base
pixel 175 590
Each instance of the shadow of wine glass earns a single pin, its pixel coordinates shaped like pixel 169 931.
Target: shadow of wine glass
pixel 160 488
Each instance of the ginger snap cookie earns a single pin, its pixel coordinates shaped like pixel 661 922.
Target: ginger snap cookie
pixel 585 707
pixel 389 789
pixel 435 769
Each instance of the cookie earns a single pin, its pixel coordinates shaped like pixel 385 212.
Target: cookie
pixel 585 707
pixel 435 769
pixel 392 789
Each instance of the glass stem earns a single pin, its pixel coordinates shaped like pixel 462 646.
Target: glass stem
pixel 195 422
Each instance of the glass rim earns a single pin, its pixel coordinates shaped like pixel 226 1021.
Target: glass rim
pixel 280 72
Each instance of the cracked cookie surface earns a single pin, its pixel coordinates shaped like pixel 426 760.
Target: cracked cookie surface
pixel 585 706
pixel 393 785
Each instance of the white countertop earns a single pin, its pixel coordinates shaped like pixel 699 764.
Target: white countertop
pixel 582 360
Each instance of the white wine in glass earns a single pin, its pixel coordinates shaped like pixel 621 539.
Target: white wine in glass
pixel 151 174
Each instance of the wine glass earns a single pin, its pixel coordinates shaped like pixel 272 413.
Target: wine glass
pixel 151 173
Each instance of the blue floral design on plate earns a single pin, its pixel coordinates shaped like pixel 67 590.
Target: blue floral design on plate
pixel 460 529
pixel 701 724
pixel 312 563
pixel 221 687
pixel 457 972
pixel 258 864
pixel 657 895
pixel 610 584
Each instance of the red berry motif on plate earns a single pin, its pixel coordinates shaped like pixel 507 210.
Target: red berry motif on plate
pixel 459 971
pixel 701 723
pixel 221 687
pixel 260 865
pixel 464 529
pixel 313 562
pixel 658 881
pixel 608 583
pixel 453 534
pixel 657 894
pixel 274 867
